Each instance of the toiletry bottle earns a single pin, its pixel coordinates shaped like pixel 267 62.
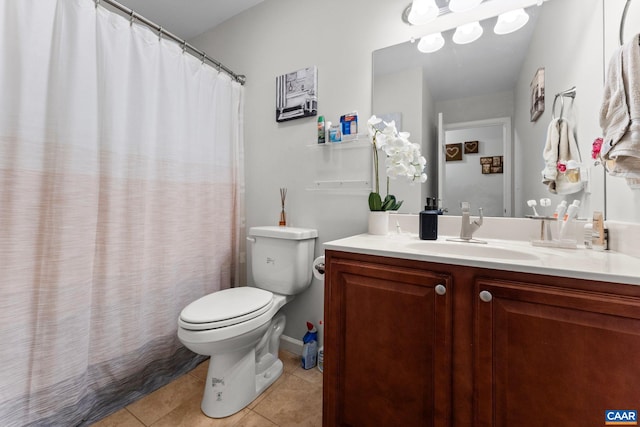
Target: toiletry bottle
pixel 429 220
pixel 559 216
pixel 321 348
pixel 354 123
pixel 569 216
pixel 588 236
pixel 321 131
pixel 600 236
pixel 310 347
pixel 321 359
pixel 560 210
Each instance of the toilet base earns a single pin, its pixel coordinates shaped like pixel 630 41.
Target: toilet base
pixel 236 379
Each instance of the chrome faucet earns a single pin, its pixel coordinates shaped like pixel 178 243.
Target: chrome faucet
pixel 469 227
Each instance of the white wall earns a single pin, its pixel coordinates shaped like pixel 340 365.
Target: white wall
pixel 430 139
pixel 491 106
pixel 402 92
pixel 279 36
pixel 571 63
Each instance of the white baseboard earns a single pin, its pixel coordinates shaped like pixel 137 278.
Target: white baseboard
pixel 291 345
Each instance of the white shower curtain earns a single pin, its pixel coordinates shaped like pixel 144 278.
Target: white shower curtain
pixel 121 189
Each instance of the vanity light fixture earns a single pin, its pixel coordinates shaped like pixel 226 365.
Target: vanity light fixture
pixel 431 43
pixel 511 21
pixel 457 6
pixel 449 17
pixel 467 33
pixel 423 11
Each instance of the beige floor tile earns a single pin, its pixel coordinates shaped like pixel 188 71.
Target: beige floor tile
pixel 122 418
pixel 189 414
pixel 253 419
pixel 267 391
pixel 295 402
pixel 162 401
pixel 289 360
pixel 295 399
pixel 312 375
pixel 200 371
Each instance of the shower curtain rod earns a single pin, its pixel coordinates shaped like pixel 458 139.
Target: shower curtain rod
pixel 186 47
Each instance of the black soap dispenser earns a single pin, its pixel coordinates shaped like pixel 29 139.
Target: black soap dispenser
pixel 429 220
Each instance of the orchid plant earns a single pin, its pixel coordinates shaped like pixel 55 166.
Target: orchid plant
pixel 403 160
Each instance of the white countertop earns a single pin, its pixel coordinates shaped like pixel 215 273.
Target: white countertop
pixel 510 255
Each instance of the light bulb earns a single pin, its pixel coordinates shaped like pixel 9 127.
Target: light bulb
pixel 457 6
pixel 431 43
pixel 511 21
pixel 467 33
pixel 423 11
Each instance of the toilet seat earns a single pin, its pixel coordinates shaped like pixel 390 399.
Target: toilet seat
pixel 225 308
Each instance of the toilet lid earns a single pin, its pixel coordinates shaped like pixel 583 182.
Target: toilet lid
pixel 227 307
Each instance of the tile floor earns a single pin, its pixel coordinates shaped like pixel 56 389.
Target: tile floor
pixel 295 399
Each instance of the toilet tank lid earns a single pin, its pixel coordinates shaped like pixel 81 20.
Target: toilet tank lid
pixel 290 233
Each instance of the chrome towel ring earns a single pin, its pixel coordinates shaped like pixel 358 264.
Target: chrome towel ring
pixel 622 21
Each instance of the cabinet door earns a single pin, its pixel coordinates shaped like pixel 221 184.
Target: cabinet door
pixel 548 356
pixel 387 346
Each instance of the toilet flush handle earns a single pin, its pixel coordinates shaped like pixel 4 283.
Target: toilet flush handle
pixel 251 239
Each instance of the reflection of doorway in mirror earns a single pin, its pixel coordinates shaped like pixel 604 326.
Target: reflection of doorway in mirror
pixel 487 186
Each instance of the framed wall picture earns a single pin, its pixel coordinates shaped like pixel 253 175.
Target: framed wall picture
pixel 297 94
pixel 537 95
pixel 492 164
pixel 471 147
pixel 496 164
pixel 453 152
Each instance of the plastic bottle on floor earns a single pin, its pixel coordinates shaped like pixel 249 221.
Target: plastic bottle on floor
pixel 310 347
pixel 321 359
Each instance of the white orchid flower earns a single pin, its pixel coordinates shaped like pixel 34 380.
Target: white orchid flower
pixel 372 125
pixel 403 158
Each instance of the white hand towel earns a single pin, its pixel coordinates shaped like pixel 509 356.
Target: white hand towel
pixel 614 112
pixel 620 113
pixel 550 155
pixel 561 146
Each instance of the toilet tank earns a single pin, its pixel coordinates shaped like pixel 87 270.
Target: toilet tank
pixel 282 258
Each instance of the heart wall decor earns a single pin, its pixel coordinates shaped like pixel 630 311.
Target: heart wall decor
pixel 453 152
pixel 471 147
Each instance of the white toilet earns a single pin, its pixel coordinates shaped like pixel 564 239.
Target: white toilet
pixel 240 328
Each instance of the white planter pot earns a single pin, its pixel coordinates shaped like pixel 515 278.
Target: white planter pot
pixel 379 222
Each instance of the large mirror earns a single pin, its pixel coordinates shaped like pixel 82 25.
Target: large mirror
pixel 478 97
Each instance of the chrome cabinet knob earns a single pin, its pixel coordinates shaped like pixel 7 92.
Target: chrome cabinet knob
pixel 485 296
pixel 441 289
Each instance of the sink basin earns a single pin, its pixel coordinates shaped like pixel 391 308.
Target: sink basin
pixel 472 250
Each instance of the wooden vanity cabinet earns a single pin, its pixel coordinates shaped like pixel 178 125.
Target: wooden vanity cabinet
pixel 413 343
pixel 555 355
pixel 387 345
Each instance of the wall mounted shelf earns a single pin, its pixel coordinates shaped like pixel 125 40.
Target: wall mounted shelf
pixel 360 141
pixel 342 186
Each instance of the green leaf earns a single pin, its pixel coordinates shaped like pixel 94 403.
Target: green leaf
pixel 375 202
pixel 388 203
